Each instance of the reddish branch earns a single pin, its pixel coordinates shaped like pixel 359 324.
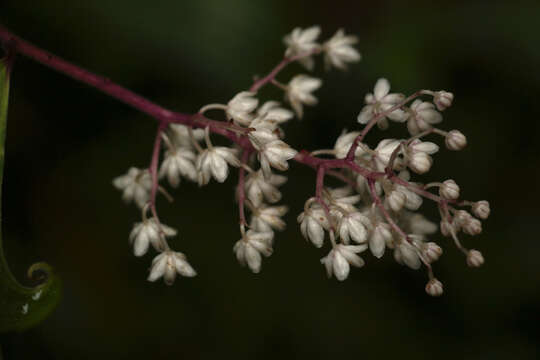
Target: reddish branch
pixel 14 44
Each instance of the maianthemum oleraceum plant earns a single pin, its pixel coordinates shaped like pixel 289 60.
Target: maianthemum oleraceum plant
pixel 377 208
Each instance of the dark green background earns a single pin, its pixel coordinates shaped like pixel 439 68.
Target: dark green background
pixel 66 142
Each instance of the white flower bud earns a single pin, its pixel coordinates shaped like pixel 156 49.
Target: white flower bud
pixel 455 140
pixel 396 200
pixel 379 237
pixel 475 258
pixel 312 225
pixel 148 233
pixel 249 249
pixel 420 162
pixel 449 190
pixel 407 254
pixel 462 216
pixel 168 264
pixel 340 257
pixel 432 252
pixel 266 218
pixel 434 287
pixel 472 227
pixel 481 209
pixel 352 227
pixel 213 162
pixel 443 99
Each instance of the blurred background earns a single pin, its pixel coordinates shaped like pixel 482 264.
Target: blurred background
pixel 67 141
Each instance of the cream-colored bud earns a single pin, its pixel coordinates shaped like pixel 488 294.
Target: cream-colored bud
pixel 481 209
pixel 434 287
pixel 455 140
pixel 449 190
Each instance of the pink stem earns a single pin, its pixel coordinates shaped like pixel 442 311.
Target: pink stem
pixel 154 170
pixel 240 188
pixel 14 44
pixel 272 75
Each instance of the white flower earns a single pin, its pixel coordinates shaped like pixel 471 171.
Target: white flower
pixel 383 153
pixel 455 140
pixel 407 254
pixel 475 258
pixel 434 287
pixel 302 42
pixel 449 190
pixel 380 236
pixel 259 188
pixel 248 250
pixel 241 107
pixel 312 225
pixel 481 209
pixel 422 146
pixel 344 143
pixel 267 218
pixel 273 112
pixel 168 264
pixel 274 153
pixel 179 134
pixel 396 200
pixel 299 92
pixel 338 50
pixel 213 162
pixel 342 198
pixel 178 162
pixel 136 186
pixel 422 115
pixel 379 102
pixel 418 153
pixel 443 99
pixel 340 257
pixel 353 227
pixel 149 232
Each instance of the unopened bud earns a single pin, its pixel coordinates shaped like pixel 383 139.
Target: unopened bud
pixel 434 287
pixel 449 190
pixel 475 258
pixel 443 99
pixel 481 209
pixel 455 140
pixel 420 162
pixel 396 200
pixel 432 252
pixel 472 227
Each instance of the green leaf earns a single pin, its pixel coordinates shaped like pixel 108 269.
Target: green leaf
pixel 21 307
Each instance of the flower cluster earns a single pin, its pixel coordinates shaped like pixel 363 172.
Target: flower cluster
pixel 376 210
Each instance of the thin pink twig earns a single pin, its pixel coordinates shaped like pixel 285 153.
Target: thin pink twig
pixel 272 75
pixel 240 188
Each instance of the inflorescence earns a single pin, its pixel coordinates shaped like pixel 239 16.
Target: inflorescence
pixel 376 209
